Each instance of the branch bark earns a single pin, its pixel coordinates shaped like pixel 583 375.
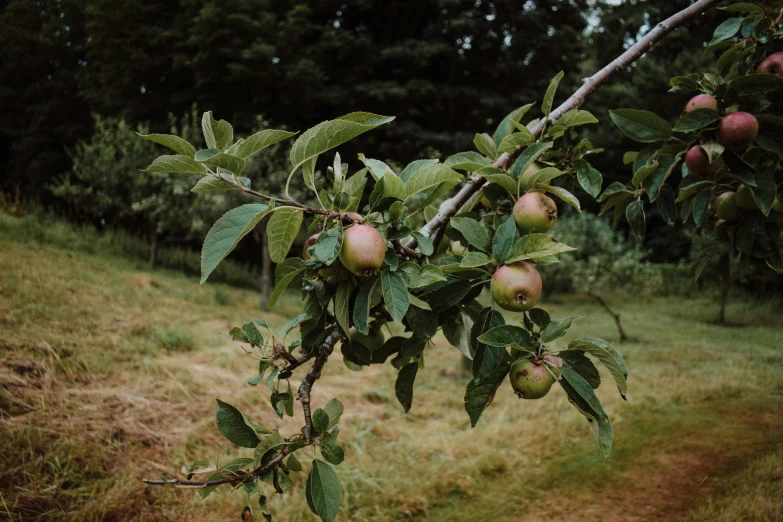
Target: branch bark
pixel 324 351
pixel 620 63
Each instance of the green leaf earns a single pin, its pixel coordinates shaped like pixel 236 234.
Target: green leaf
pixel 323 491
pixel 486 145
pixel 395 294
pixel 549 96
pixel 530 179
pixel 505 335
pixel 599 423
pixel 695 120
pixel 417 276
pixel 361 308
pixel 643 126
pixel 177 164
pixel 217 134
pixel 634 213
pixel 332 452
pixel 330 134
pixel 282 284
pixel 328 245
pixel 528 157
pixel 743 7
pixel 770 144
pixel 505 127
pixel 726 30
pixel 342 304
pixel 475 233
pixel 576 117
pixel 557 328
pixel 320 420
pixel 282 229
pixel 210 183
pixel 583 366
pixel 175 143
pixel 261 140
pixel 519 139
pixel 334 409
pixel 475 259
pixel 467 161
pixel 540 317
pixel 608 356
pixel 505 235
pixel 500 178
pixel 415 166
pixel 701 205
pixel 481 391
pixel 231 469
pixel 403 388
pixel 226 233
pixel 751 84
pixel 219 159
pixel 430 177
pixel 589 178
pixel 536 246
pixel 234 426
pixel 377 168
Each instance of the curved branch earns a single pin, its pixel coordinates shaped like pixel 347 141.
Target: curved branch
pixel 620 63
pixel 324 351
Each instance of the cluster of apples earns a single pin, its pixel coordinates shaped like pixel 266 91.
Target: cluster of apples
pixel 517 287
pixel 735 131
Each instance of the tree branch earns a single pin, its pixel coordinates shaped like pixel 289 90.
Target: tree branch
pixel 324 351
pixel 342 216
pixel 611 312
pixel 620 63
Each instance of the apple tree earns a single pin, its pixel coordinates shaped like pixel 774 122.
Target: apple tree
pixel 727 148
pixel 368 263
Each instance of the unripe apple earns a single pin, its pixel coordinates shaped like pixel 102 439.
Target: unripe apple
pixel 697 161
pixel 373 342
pixel 721 231
pixel 530 379
pixel 777 205
pixel 737 130
pixel 516 287
pixel 363 250
pixel 535 212
pixel 458 249
pixel 772 64
pixel 310 242
pixel 486 203
pixel 726 207
pixel 702 101
pixel 745 199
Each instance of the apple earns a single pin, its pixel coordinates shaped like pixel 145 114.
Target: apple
pixel 737 130
pixel 363 250
pixel 745 199
pixel 516 287
pixel 726 207
pixel 535 212
pixel 530 379
pixel 772 64
pixel 697 161
pixel 702 101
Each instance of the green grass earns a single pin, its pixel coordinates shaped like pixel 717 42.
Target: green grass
pixel 109 374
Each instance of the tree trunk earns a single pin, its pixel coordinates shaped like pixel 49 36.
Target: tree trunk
pixel 611 312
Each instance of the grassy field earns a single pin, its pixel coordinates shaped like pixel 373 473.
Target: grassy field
pixel 109 374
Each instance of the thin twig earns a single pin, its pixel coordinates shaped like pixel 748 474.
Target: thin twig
pixel 590 85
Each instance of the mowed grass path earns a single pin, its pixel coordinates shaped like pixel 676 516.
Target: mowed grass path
pixel 108 374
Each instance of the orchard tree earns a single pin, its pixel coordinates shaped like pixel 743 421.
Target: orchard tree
pixel 727 145
pixel 367 264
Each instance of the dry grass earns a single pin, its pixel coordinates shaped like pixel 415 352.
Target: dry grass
pixel 93 399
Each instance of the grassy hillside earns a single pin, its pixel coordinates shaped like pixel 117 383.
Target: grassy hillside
pixel 109 374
